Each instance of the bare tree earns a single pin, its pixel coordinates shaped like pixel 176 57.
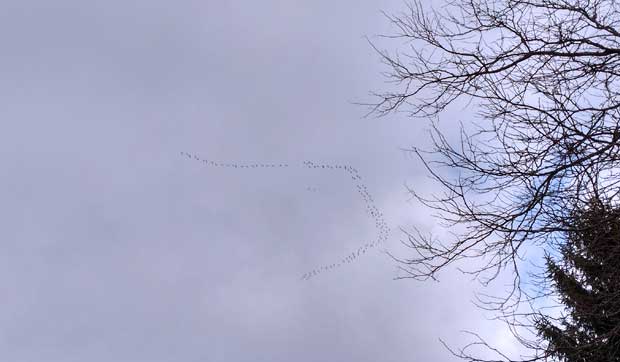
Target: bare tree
pixel 544 77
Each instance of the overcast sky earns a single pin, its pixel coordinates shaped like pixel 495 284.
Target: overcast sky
pixel 117 247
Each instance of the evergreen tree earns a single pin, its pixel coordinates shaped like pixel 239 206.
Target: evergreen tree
pixel 587 280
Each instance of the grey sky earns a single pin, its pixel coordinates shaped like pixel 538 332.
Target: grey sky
pixel 117 248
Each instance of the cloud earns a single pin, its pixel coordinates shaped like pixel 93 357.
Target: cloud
pixel 117 248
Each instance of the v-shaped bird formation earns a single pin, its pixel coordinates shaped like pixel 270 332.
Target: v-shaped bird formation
pixel 371 209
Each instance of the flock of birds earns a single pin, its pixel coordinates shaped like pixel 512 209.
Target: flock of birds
pixel 381 226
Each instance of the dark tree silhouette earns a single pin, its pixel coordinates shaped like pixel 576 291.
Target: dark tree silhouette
pixel 587 280
pixel 544 78
pixel 543 75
